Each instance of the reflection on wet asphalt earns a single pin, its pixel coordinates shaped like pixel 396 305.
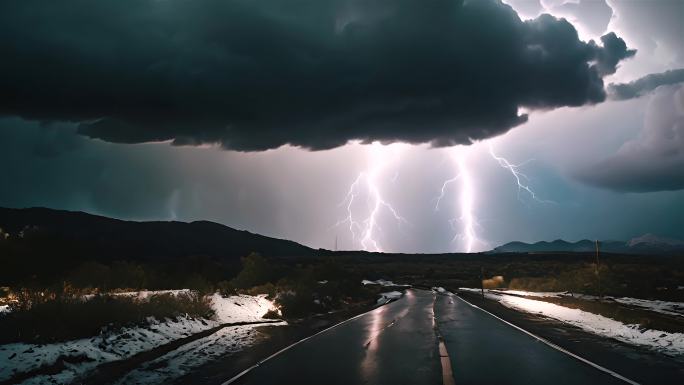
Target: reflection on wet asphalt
pixel 393 344
pixel 484 350
pixel 397 344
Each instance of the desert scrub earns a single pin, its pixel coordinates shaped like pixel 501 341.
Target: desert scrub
pixel 66 318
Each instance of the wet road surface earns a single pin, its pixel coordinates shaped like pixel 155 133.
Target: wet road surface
pixel 398 344
pixel 484 350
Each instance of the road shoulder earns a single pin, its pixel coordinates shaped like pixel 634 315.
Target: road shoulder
pixel 639 364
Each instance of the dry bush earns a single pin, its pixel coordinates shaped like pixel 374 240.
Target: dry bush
pixel 493 283
pixel 67 318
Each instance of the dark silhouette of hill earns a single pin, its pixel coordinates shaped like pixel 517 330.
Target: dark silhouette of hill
pixel 100 237
pixel 646 244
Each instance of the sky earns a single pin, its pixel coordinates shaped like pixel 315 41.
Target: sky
pixel 380 125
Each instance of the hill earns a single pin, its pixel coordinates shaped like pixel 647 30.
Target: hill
pixel 646 244
pixel 40 247
pixel 112 238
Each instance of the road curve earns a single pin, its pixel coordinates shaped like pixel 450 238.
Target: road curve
pixel 398 344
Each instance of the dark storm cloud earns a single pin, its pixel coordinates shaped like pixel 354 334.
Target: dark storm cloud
pixel 644 85
pixel 254 75
pixel 50 165
pixel 655 160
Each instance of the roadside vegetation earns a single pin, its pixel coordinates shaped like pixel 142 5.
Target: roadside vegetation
pixel 93 296
pixel 302 290
pixel 650 277
pixel 44 281
pixel 39 317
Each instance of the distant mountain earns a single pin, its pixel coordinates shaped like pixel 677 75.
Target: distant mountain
pixel 646 244
pixel 101 237
pixel 650 239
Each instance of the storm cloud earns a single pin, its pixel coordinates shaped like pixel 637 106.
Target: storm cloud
pixel 644 85
pixel 655 160
pixel 255 75
pixel 594 15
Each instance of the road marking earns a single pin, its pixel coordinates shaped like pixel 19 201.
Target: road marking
pixel 447 372
pixel 551 344
pixel 444 359
pixel 242 373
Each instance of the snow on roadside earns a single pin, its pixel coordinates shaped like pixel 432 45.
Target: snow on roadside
pixel 143 294
pixel 238 308
pixel 126 342
pixel 241 308
pixel 555 294
pixel 389 296
pixel 382 282
pixel 24 357
pixel 179 362
pixel 665 307
pixel 441 290
pixel 670 343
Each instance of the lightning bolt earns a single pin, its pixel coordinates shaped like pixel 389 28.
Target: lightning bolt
pixel 365 227
pixel 466 201
pixel 521 179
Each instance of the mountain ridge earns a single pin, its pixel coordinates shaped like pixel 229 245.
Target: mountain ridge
pixel 115 238
pixel 645 244
pixel 109 238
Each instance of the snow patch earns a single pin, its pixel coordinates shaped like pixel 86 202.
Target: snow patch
pixel 181 361
pixel 664 307
pixel 669 343
pixel 106 347
pixel 241 308
pixel 382 282
pixel 125 342
pixel 441 290
pixel 143 294
pixel 555 294
pixel 389 296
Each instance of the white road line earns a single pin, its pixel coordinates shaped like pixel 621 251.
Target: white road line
pixel 551 344
pixel 242 373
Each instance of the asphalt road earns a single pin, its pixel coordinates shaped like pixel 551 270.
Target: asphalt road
pixel 398 344
pixel 484 350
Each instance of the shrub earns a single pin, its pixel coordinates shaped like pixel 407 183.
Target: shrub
pixel 225 288
pixel 493 283
pixel 91 274
pixel 64 318
pixel 296 304
pixel 255 271
pixel 198 283
pixel 272 314
pixel 267 288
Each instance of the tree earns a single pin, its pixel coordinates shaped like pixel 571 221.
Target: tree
pixel 91 274
pixel 255 271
